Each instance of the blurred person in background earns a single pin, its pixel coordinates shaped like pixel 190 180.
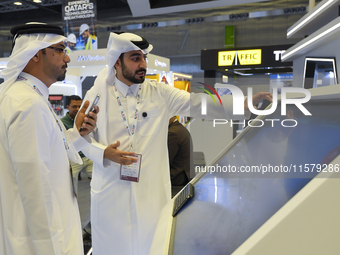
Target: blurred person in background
pixel 71 43
pixel 180 155
pixel 73 104
pixel 91 42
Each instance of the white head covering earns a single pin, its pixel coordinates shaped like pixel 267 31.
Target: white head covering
pixel 121 43
pixel 26 46
pixel 117 44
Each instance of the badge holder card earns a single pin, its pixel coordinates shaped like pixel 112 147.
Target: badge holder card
pixel 131 172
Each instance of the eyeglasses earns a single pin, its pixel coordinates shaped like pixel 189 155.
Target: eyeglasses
pixel 60 50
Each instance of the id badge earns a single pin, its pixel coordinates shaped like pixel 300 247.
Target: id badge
pixel 131 172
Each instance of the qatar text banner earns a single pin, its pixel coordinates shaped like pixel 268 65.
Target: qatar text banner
pixel 80 24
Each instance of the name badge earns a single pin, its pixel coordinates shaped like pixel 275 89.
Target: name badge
pixel 131 172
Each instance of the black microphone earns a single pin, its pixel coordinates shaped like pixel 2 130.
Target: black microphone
pixel 144 114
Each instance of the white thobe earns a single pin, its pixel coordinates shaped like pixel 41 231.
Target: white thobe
pixel 38 210
pixel 124 214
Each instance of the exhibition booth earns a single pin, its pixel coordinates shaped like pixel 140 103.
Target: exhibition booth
pixel 249 66
pixel 90 63
pixel 84 67
pixel 274 189
pixel 258 67
pixel 315 58
pixel 265 193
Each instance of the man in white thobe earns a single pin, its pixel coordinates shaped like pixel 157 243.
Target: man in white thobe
pixel 38 209
pixel 136 112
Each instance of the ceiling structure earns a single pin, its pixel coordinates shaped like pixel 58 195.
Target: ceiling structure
pixel 113 11
pixel 124 12
pixel 51 10
pixel 156 7
pixel 137 8
pixel 131 12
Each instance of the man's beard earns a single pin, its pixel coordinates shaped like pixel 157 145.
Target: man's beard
pixel 127 75
pixel 62 77
pixel 51 69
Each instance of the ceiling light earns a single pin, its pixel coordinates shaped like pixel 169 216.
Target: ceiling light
pixel 17 3
pixel 37 1
pixel 329 30
pixel 309 17
pixel 242 74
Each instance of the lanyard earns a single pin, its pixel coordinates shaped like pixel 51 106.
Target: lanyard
pixel 36 89
pixel 130 133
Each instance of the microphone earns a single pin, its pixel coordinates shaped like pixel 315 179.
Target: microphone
pixel 144 114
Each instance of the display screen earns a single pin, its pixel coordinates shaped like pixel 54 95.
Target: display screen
pixel 319 72
pixel 229 207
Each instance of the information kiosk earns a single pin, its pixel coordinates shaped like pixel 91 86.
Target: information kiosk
pixel 274 190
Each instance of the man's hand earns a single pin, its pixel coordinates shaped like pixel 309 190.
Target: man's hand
pixel 89 122
pixel 258 97
pixel 121 157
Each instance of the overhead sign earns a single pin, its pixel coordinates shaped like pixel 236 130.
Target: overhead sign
pixel 80 24
pixel 158 63
pixel 263 56
pixel 97 57
pixel 88 58
pixel 240 57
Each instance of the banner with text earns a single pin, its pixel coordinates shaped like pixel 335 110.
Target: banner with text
pixel 80 24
